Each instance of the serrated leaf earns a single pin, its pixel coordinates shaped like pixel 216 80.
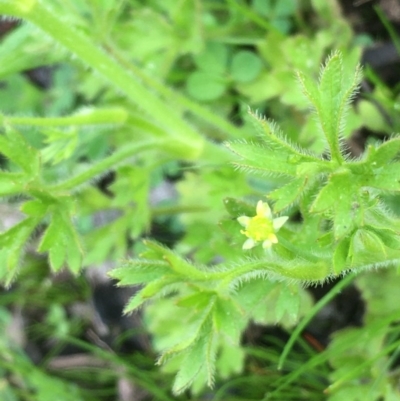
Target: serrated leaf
pixel 139 272
pixel 287 194
pixel 154 288
pixel 309 88
pixel 237 208
pixel 61 144
pixel 271 135
pixel 330 87
pixel 196 301
pixel 366 246
pixel 16 149
pixel 62 242
pixel 260 159
pixel 386 178
pixel 385 152
pixel 228 320
pixel 340 256
pixel 230 360
pixel 190 367
pixel 288 303
pixel 178 265
pixel 12 244
pixel 11 183
pixel 337 198
pixel 251 294
pixel 389 237
pixel 331 99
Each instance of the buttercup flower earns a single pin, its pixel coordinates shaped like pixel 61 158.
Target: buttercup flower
pixel 262 227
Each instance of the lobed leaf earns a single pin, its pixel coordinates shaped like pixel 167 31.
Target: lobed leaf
pixel 11 183
pixel 62 242
pixel 140 272
pixel 228 319
pixel 337 199
pixel 16 149
pixel 288 303
pixel 153 289
pixel 12 244
pixel 335 96
pixel 177 264
pixel 340 256
pixel 288 194
pixel 260 159
pixel 200 357
pixel 386 151
pixel 331 99
pixel 386 178
pixel 271 135
pixel 237 208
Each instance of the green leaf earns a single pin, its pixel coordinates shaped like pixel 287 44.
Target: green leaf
pixel 153 289
pixel 201 355
pixel 11 183
pixel 61 144
pixel 12 244
pixel 287 194
pixel 288 303
pixel 178 265
pixel 205 86
pixel 340 256
pixel 197 301
pixel 229 320
pixel 386 178
pixel 213 58
pixel 230 360
pixel 257 158
pixel 365 247
pixel 35 207
pixel 271 135
pixel 140 272
pixel 237 208
pixel 61 241
pixel 15 148
pixel 331 99
pixel 310 89
pixel 385 152
pixel 337 199
pixel 245 67
pixel 130 190
pixel 335 94
pixel 251 295
pixel 390 238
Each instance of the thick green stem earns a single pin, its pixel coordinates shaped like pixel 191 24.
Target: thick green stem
pixel 185 139
pixel 89 117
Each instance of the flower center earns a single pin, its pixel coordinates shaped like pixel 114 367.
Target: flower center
pixel 259 228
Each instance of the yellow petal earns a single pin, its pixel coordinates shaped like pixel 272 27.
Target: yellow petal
pixel 249 243
pixel 243 220
pixel 263 209
pixel 267 244
pixel 279 222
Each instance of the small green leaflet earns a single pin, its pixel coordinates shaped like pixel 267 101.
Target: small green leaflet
pixel 61 241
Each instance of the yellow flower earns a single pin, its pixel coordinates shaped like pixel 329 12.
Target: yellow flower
pixel 262 227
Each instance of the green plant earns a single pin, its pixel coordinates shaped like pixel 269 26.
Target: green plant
pixel 345 226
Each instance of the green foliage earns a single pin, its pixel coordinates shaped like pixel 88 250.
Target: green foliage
pixel 83 180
